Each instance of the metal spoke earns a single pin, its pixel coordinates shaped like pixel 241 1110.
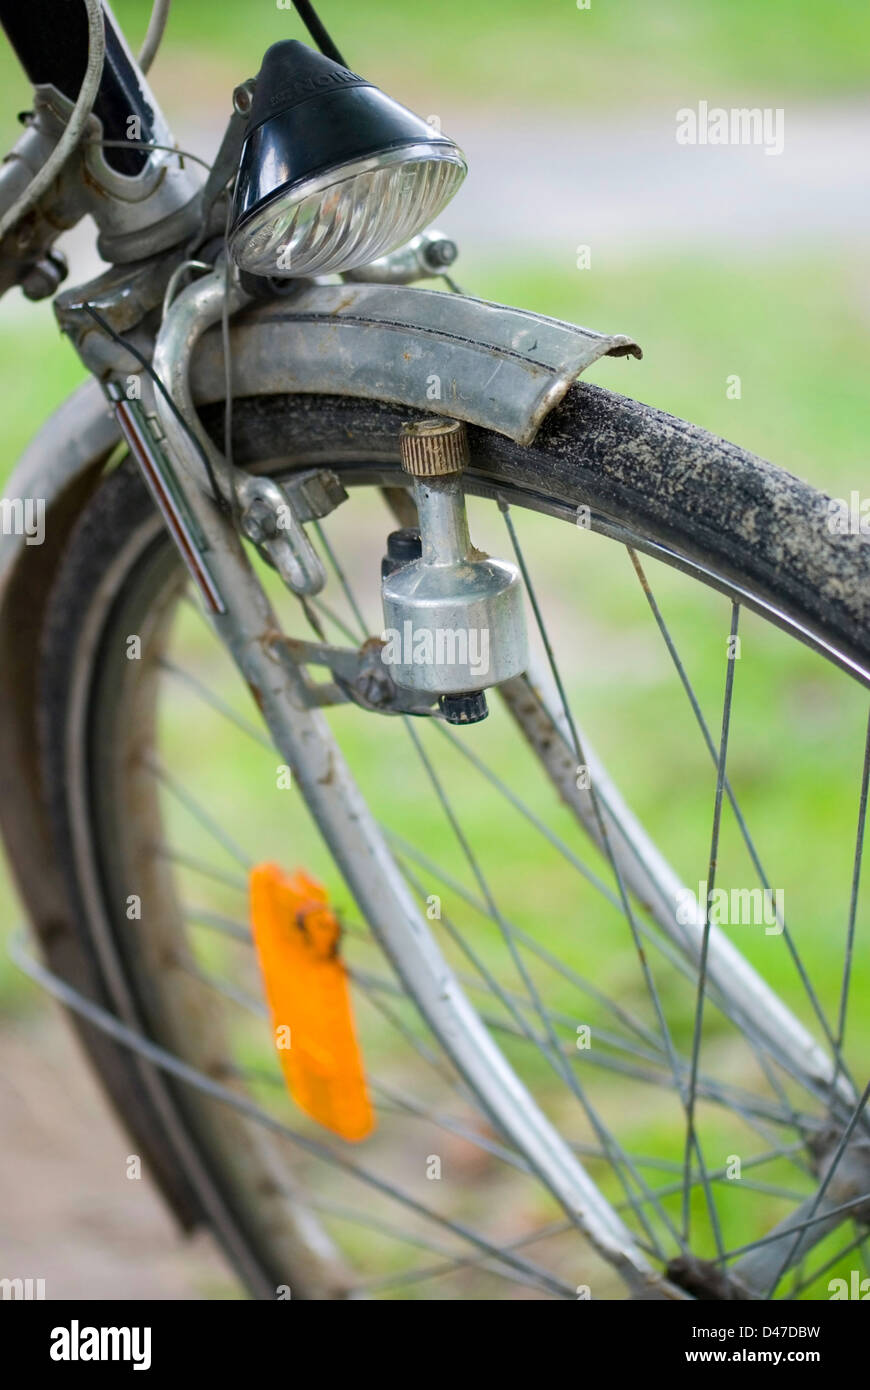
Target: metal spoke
pixel 199 866
pixel 823 1269
pixel 552 1050
pixel 457 1263
pixel 763 1019
pixel 843 1209
pixel 558 844
pixel 216 921
pixel 741 822
pixel 747 1110
pixel 175 1066
pixel 251 1003
pixel 853 897
pixel 341 576
pixel 654 1059
pixel 351 599
pixel 254 1005
pixel 605 842
pixel 199 813
pixel 757 1043
pixel 740 1102
pixel 618 1157
pixel 409 1106
pixel 372 990
pixel 581 760
pixel 452 1262
pixel 222 708
pixel 409 851
pixel 376 985
pixel 216 703
pixel 395 1102
pixel 826 1182
pixel 556 1016
pixel 330 614
pixel 485 891
pixel 691 1139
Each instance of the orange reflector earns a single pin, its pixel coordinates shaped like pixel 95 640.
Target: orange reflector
pixel 297 938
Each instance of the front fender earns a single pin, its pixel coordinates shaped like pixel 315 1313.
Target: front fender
pixel 448 354
pixel 500 368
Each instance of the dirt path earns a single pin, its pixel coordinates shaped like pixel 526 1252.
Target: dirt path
pixel 68 1212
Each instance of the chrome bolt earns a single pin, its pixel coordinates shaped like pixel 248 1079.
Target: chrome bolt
pixel 375 687
pixel 243 96
pixel 259 522
pixel 45 276
pixel 440 253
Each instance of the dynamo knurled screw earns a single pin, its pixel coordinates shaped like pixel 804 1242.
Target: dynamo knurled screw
pixel 434 448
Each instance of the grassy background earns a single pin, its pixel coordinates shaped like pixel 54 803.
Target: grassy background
pixel 616 56
pixel 791 322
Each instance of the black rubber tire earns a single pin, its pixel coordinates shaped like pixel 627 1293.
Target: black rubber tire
pixel 639 467
pixel 679 485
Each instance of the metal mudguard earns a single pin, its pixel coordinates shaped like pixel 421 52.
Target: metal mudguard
pixel 500 368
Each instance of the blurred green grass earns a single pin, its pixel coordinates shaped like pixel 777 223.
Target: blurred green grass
pixel 611 57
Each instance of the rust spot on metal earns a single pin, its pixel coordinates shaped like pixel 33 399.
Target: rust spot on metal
pixel 329 776
pixel 257 694
pixel 273 642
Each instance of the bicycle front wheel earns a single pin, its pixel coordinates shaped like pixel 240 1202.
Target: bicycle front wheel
pixel 671 1101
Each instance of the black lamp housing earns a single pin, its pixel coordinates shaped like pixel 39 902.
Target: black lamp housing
pixel 333 173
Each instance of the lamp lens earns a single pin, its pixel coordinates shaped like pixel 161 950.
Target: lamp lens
pixel 349 216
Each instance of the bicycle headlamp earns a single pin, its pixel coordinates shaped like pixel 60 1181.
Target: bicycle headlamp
pixel 333 172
